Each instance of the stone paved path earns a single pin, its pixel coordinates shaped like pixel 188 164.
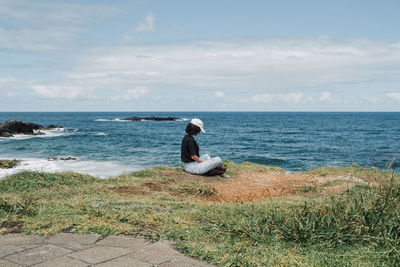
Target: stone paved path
pixel 65 249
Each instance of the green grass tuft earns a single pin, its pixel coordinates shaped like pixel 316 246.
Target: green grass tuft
pixel 196 189
pixel 153 171
pixel 30 181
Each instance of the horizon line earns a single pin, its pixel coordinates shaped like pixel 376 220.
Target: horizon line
pixel 203 111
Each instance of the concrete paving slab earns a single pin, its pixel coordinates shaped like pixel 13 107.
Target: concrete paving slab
pixel 20 239
pixel 100 254
pixel 74 242
pixel 184 261
pixel 4 263
pixel 38 255
pixel 83 239
pixel 124 262
pixel 26 247
pixel 9 249
pixel 156 253
pixel 64 261
pixel 124 241
pixel 20 250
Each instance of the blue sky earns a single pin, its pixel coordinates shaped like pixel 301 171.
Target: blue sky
pixel 199 55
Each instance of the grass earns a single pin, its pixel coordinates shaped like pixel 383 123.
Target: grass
pixel 360 227
pixel 309 188
pixel 354 171
pixel 196 189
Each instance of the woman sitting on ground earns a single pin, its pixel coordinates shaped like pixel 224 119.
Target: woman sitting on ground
pixel 190 156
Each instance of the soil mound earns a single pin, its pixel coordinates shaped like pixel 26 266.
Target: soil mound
pixel 252 184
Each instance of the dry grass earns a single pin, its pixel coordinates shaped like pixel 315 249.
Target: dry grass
pixel 248 182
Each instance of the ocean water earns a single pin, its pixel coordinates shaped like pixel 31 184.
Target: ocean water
pixel 106 145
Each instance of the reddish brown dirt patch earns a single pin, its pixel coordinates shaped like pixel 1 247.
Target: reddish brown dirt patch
pixel 257 185
pixel 249 185
pixel 154 187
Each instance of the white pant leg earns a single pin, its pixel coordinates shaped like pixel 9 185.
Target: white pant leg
pixel 205 157
pixel 205 166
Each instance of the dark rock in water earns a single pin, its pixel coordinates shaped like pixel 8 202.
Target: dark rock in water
pixel 133 118
pixel 68 158
pixel 8 164
pixel 161 119
pixel 18 127
pixel 11 127
pixel 6 134
pixel 55 158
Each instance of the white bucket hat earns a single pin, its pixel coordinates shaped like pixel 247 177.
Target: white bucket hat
pixel 198 123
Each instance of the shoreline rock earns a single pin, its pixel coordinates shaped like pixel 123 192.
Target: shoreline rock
pixel 153 118
pixel 11 127
pixel 55 158
pixel 8 164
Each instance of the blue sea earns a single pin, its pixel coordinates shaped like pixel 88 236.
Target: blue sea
pixel 105 145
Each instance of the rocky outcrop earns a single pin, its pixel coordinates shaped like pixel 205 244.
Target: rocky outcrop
pixel 8 164
pixel 11 127
pixel 133 118
pixel 55 158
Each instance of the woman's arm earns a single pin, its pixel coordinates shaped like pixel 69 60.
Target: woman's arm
pixel 196 158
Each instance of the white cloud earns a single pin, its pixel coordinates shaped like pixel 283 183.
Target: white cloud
pixel 63 92
pixel 288 98
pixel 262 98
pixel 291 98
pixel 9 85
pixel 176 29
pixel 271 64
pixel 48 25
pixel 132 94
pixel 219 94
pixel 35 39
pixel 11 94
pixel 394 96
pixel 6 81
pixel 47 10
pixel 148 25
pixel 283 71
pixel 325 97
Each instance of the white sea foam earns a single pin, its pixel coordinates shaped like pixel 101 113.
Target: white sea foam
pixel 53 132
pixel 100 134
pixel 103 169
pixel 47 133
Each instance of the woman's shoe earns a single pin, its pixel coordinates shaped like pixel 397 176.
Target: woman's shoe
pixel 214 172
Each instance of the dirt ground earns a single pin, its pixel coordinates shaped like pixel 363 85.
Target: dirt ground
pixel 247 184
pixel 252 185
